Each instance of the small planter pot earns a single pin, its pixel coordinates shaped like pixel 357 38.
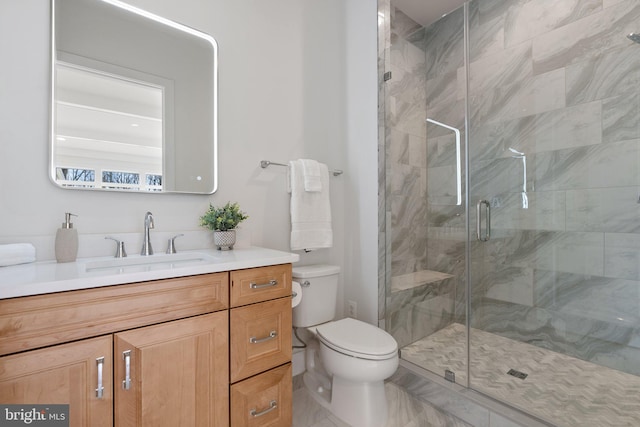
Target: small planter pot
pixel 224 240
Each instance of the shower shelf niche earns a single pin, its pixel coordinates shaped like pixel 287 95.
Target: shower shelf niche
pixel 416 279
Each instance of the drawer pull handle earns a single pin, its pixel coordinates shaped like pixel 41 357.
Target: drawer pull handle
pixel 100 389
pixel 272 282
pixel 126 383
pixel 272 405
pixel 272 335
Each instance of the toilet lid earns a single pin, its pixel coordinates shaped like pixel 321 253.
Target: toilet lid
pixel 359 339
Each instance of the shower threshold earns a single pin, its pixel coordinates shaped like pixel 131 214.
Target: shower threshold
pixel 560 389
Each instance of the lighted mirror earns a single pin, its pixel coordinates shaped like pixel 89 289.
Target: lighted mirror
pixel 133 101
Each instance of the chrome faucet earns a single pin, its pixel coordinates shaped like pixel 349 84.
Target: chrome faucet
pixel 148 224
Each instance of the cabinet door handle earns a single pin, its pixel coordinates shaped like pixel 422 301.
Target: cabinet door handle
pixel 272 335
pixel 100 389
pixel 126 383
pixel 272 405
pixel 272 282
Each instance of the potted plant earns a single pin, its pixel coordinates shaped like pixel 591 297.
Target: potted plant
pixel 223 221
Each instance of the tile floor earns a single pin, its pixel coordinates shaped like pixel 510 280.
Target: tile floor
pixel 404 411
pixel 563 390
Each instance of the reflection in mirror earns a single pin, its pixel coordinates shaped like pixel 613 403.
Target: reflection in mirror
pixel 133 101
pixel 109 124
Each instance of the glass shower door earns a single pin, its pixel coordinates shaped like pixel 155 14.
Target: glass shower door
pixel 554 184
pixel 425 251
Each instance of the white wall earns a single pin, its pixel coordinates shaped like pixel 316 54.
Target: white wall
pixel 283 95
pixel 361 205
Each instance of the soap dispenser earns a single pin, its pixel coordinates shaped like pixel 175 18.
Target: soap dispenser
pixel 67 240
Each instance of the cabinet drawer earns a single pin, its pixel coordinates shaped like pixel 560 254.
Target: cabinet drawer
pixel 260 284
pixel 42 320
pixel 264 400
pixel 260 337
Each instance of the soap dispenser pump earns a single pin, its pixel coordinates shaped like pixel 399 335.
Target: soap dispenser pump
pixel 67 240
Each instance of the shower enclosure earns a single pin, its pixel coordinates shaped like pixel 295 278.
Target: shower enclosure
pixel 510 183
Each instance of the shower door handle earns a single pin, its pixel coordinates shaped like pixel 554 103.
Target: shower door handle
pixel 487 235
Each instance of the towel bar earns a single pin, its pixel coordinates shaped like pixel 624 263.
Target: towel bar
pixel 266 163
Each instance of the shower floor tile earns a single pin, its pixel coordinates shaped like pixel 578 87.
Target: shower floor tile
pixel 560 389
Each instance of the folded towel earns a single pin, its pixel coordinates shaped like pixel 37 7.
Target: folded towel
pixel 311 172
pixel 310 211
pixel 17 253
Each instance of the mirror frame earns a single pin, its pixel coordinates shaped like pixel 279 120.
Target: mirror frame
pixel 175 25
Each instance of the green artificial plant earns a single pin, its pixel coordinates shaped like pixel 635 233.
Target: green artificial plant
pixel 223 219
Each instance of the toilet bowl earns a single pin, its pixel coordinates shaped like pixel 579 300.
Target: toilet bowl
pixel 348 360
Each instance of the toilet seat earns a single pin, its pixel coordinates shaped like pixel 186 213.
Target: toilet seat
pixel 357 339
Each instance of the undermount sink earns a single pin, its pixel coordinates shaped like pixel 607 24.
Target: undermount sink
pixel 146 263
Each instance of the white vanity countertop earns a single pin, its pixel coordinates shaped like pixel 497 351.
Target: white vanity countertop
pixel 48 276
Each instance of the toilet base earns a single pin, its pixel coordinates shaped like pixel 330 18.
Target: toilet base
pixel 314 386
pixel 357 404
pixel 315 378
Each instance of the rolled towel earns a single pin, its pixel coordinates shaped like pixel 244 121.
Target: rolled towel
pixel 17 253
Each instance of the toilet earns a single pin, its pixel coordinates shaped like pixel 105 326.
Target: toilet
pixel 348 360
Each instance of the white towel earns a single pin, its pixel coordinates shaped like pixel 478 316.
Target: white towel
pixel 17 253
pixel 311 172
pixel 310 211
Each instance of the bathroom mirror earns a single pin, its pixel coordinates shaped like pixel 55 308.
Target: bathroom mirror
pixel 133 101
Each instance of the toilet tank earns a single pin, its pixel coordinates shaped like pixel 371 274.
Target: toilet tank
pixel 319 294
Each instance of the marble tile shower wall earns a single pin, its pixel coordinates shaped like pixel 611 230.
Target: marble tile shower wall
pixel 558 80
pixel 406 153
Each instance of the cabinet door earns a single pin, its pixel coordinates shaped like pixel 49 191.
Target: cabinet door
pixel 174 374
pixel 63 374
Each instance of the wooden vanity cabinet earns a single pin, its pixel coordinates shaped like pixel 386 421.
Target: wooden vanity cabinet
pixel 161 353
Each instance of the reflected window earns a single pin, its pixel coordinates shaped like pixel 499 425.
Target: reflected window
pixel 106 120
pixel 74 177
pixel 154 182
pixel 120 177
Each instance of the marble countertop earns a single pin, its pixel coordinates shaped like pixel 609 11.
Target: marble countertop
pixel 85 273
